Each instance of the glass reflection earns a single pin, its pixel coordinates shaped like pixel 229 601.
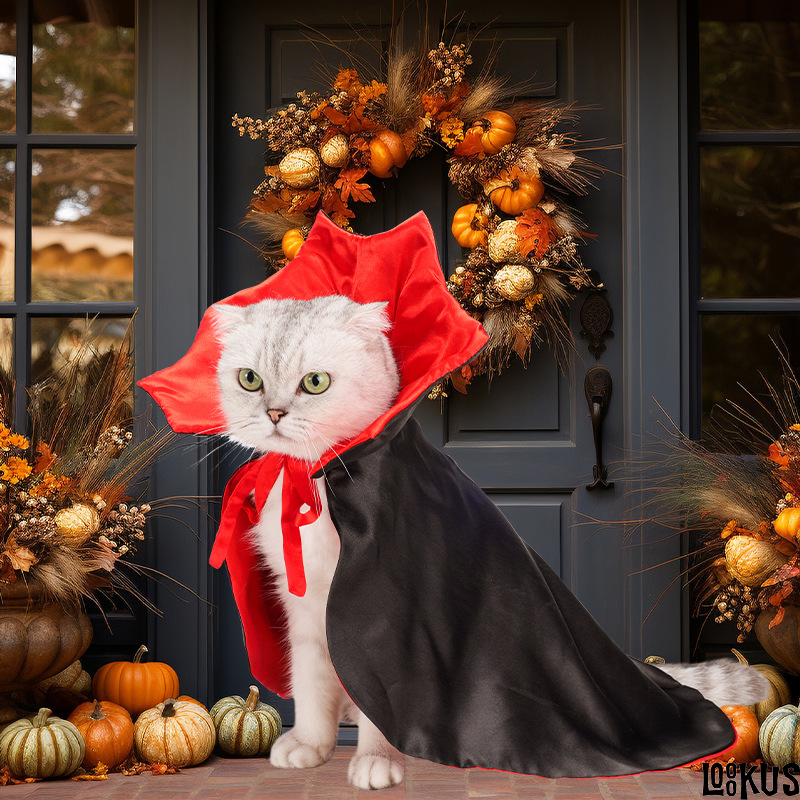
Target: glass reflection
pixel 750 71
pixel 749 224
pixel 740 349
pixel 82 225
pixel 8 74
pixel 59 341
pixel 84 71
pixel 7 175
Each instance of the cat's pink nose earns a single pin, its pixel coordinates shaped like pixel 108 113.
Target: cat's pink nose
pixel 275 414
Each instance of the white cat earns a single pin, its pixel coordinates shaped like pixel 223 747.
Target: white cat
pixel 296 377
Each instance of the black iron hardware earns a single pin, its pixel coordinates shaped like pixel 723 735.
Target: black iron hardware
pixel 596 318
pixel 598 384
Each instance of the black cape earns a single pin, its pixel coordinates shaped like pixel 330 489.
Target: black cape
pixel 465 648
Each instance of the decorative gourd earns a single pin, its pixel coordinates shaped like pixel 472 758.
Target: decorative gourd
pixel 245 727
pixel 504 242
pixel 43 746
pixel 514 281
pixel 469 226
pixel 174 733
pixel 134 685
pixel 471 144
pixel 779 736
pixel 292 242
pixel 300 168
pixel 73 678
pixel 107 730
pixel 77 524
pixel 514 191
pixel 788 524
pixel 746 747
pixel 336 151
pixel 752 561
pixel 778 688
pixel 386 150
pixel 498 129
pixel 783 641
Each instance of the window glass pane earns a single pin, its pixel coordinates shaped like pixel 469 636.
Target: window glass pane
pixel 749 223
pixel 7 370
pixel 749 67
pixel 84 72
pixel 82 225
pixel 7 174
pixel 737 350
pixel 57 341
pixel 8 73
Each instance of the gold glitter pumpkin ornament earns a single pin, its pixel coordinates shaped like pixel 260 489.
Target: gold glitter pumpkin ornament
pixel 77 524
pixel 513 282
pixel 752 561
pixel 335 152
pixel 300 168
pixel 504 242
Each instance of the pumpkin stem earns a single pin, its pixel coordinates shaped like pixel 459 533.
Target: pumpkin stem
pixel 739 657
pixel 97 712
pixel 139 653
pixel 41 718
pixel 252 699
pixel 169 708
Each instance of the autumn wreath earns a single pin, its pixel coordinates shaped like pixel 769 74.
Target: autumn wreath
pixel 507 159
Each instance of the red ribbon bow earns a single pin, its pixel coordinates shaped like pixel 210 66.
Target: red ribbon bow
pixel 240 513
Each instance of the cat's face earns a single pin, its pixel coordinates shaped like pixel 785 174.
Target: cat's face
pixel 299 376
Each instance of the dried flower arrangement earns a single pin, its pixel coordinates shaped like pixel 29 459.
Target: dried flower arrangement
pixel 507 160
pixel 739 491
pixel 67 521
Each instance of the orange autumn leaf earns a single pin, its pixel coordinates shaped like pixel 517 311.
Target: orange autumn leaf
pixel 371 91
pixel 44 458
pixel 339 212
pixel 345 80
pixel 303 201
pixel 777 455
pixel 461 378
pixel 778 618
pixel 349 186
pixel 535 231
pixel 269 203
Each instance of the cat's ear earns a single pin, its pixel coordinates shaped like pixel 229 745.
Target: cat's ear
pixel 226 317
pixel 370 318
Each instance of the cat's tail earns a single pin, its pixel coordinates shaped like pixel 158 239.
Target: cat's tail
pixel 723 682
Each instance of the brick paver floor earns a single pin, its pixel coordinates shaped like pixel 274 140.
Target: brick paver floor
pixel 254 779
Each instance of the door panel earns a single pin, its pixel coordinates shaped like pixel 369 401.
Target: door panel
pixel 526 437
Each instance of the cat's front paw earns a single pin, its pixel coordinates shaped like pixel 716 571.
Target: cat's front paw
pixel 374 771
pixel 290 751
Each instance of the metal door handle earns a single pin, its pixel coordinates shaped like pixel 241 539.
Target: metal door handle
pixel 598 385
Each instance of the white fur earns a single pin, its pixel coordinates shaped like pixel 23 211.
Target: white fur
pixel 722 681
pixel 282 340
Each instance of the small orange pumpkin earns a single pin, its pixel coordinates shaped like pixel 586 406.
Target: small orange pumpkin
pixel 514 191
pixel 134 685
pixel 498 129
pixel 292 242
pixel 788 524
pixel 386 150
pixel 184 698
pixel 471 144
pixel 746 747
pixel 107 729
pixel 469 226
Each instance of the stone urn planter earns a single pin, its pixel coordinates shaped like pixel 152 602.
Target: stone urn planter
pixel 37 638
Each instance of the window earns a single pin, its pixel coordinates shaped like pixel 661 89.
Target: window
pixel 69 159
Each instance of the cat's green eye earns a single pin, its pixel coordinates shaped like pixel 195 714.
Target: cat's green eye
pixel 250 380
pixel 315 382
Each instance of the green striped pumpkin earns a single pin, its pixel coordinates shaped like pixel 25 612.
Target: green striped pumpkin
pixel 41 747
pixel 245 727
pixel 779 736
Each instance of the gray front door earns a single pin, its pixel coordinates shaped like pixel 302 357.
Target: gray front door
pixel 526 439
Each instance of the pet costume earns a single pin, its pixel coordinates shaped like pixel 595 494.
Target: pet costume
pixel 452 635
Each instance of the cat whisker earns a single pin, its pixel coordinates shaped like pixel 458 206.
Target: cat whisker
pixel 331 447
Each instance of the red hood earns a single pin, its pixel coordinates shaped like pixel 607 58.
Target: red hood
pixel 431 334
